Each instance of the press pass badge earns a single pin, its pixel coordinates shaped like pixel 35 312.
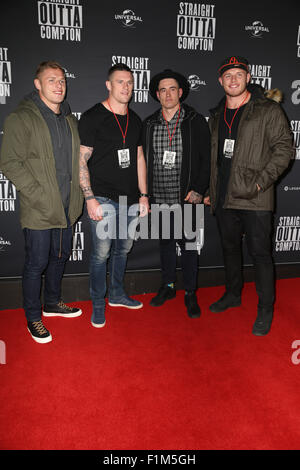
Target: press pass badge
pixel 124 158
pixel 169 159
pixel 228 148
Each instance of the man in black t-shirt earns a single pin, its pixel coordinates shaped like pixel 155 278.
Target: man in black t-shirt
pixel 251 147
pixel 112 177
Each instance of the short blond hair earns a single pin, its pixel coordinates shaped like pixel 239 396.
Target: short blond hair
pixel 49 64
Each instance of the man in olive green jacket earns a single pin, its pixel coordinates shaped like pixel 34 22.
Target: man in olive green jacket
pixel 40 155
pixel 251 146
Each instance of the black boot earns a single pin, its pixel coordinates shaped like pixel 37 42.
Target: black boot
pixel 263 322
pixel 228 300
pixel 165 293
pixel 190 300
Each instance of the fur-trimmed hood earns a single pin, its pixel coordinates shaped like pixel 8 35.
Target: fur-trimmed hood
pixel 275 94
pixel 258 91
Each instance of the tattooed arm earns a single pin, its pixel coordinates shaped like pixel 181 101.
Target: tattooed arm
pixel 194 197
pixel 93 206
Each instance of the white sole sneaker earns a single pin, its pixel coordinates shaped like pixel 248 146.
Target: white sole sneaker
pixel 48 339
pixel 126 306
pixel 98 325
pixel 65 315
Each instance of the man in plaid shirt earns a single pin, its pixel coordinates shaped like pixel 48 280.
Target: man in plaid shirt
pixel 166 173
pixel 176 143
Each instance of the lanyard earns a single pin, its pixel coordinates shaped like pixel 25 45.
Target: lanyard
pixel 171 136
pixel 123 134
pixel 230 126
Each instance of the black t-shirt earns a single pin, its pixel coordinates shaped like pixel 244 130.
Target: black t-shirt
pixel 111 176
pixel 224 163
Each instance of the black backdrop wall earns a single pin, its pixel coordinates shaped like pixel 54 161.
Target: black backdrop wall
pixel 88 36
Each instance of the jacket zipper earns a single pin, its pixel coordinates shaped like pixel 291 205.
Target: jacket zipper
pixel 190 156
pixel 58 131
pixel 233 165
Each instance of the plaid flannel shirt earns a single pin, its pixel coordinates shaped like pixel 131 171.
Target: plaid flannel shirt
pixel 166 181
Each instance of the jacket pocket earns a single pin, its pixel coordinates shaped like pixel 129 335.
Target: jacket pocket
pixel 35 198
pixel 244 183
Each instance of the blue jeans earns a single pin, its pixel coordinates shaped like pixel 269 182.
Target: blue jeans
pixel 46 251
pixel 112 238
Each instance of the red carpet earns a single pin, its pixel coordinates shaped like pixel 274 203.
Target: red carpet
pixel 154 379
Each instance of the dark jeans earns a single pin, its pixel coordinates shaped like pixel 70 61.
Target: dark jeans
pixel 168 254
pixel 46 251
pixel 257 227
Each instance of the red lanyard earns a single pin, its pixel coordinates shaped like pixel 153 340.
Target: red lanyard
pixel 123 134
pixel 230 126
pixel 171 136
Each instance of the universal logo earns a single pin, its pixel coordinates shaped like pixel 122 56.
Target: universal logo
pixel 128 18
pixel 195 82
pixel 69 74
pixel 257 29
pixel 4 244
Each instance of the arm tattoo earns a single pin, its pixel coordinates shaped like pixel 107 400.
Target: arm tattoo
pixel 84 174
pixel 195 197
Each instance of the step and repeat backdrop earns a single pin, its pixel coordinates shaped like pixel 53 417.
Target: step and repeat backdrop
pixel 88 36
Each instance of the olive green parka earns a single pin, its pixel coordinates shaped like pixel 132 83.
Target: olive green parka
pixel 27 160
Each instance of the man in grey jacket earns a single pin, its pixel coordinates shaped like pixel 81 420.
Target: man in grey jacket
pixel 251 147
pixel 40 155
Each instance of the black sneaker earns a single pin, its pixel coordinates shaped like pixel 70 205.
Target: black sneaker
pixel 61 310
pixel 263 322
pixel 228 300
pixel 39 332
pixel 165 293
pixel 191 303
